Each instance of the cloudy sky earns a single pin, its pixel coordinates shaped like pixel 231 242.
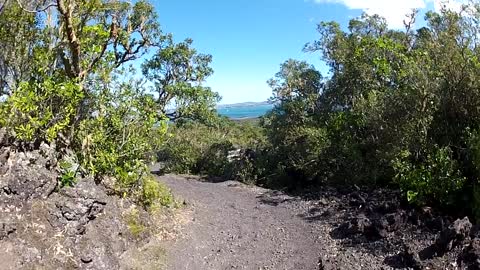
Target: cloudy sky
pixel 249 39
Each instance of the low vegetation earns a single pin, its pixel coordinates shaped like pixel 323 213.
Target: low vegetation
pixel 221 149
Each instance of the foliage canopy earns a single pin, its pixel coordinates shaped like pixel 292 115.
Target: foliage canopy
pixel 400 108
pixel 65 79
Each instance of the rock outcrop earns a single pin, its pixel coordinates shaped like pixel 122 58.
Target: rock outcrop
pixel 45 227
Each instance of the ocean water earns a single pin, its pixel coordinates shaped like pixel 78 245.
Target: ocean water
pixel 242 112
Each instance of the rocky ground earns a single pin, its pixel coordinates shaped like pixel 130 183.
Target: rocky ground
pixel 44 227
pixel 233 226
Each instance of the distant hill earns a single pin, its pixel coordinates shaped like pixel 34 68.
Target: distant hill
pixel 244 104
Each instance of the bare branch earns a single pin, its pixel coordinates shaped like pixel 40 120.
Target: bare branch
pixel 130 53
pixel 34 11
pixel 3 5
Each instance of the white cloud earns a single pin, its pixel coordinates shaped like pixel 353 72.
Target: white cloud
pixel 394 11
pixel 454 5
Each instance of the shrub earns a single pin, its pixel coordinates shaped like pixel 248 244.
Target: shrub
pixel 215 161
pixel 40 111
pixel 134 223
pixel 68 173
pixel 154 193
pixel 195 148
pixel 296 159
pixel 118 132
pixel 116 139
pixel 437 179
pixel 296 144
pixel 474 153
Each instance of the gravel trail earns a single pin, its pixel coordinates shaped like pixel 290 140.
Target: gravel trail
pixel 233 226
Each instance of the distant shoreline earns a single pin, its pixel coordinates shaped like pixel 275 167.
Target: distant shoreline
pixel 244 104
pixel 253 120
pixel 245 111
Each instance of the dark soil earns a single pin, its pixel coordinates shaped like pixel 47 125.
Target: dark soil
pixel 234 226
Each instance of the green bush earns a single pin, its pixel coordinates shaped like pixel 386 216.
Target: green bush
pixel 214 161
pixel 76 95
pixel 295 151
pixel 41 111
pixel 119 135
pixel 474 153
pixel 68 173
pixel 116 138
pixel 437 179
pixel 195 148
pixel 154 193
pixel 393 112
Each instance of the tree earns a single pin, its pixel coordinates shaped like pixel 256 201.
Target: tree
pixel 83 37
pixel 65 75
pixel 17 31
pixel 177 72
pixel 296 80
pixel 400 108
pixel 296 140
pixel 78 41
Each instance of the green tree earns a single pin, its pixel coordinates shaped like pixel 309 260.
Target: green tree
pixel 78 41
pixel 177 72
pixel 17 30
pixel 401 108
pixel 64 80
pixel 296 140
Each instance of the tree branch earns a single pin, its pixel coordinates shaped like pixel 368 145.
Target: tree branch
pixel 32 11
pixel 74 44
pixel 66 64
pixel 129 53
pixel 3 5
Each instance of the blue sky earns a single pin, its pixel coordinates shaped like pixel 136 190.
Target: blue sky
pixel 249 39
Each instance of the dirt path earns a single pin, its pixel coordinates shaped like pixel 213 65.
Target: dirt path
pixel 232 226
